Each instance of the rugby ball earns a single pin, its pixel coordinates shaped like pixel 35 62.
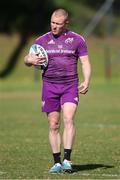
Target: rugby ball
pixel 38 49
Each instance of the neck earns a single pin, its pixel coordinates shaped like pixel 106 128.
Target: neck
pixel 58 35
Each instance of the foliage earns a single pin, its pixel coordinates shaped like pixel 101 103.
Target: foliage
pixel 25 16
pixel 29 18
pixel 96 4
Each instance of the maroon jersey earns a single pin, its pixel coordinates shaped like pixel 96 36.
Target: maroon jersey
pixel 63 53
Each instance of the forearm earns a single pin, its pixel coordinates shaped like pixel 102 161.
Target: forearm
pixel 86 69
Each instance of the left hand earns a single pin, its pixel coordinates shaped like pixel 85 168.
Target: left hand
pixel 83 88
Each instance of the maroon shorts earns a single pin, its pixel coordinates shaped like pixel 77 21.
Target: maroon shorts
pixel 54 95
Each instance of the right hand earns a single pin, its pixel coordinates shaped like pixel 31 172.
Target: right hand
pixel 83 88
pixel 34 59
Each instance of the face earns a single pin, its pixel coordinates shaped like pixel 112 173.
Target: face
pixel 58 24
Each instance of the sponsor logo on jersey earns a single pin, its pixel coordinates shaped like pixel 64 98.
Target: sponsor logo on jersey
pixel 60 46
pixel 61 51
pixel 51 42
pixel 69 40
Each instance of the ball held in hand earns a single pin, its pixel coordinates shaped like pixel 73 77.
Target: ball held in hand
pixel 38 49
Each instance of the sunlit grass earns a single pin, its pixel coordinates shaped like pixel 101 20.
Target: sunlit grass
pixel 24 148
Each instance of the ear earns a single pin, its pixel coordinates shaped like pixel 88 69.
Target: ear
pixel 67 22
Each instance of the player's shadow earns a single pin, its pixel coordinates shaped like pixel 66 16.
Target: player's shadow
pixel 77 168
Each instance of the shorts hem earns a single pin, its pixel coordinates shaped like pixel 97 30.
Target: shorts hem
pixel 70 102
pixel 46 111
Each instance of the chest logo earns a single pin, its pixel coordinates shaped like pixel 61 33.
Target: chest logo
pixel 69 40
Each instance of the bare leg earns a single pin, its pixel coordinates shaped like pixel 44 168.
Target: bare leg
pixel 54 135
pixel 69 110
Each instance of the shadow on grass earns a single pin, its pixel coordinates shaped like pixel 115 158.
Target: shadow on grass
pixel 77 168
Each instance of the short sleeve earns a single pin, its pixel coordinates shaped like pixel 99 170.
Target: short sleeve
pixel 82 47
pixel 38 41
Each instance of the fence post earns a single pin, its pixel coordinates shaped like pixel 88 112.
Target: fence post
pixel 108 69
pixel 109 27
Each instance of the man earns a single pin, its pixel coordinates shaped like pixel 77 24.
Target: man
pixel 60 84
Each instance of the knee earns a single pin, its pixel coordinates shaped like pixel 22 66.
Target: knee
pixel 68 122
pixel 54 125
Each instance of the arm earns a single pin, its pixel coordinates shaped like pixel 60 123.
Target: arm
pixel 27 61
pixel 33 59
pixel 86 70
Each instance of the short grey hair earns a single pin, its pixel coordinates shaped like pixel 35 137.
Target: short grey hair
pixel 61 12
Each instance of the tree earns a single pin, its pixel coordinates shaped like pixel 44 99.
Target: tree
pixel 27 17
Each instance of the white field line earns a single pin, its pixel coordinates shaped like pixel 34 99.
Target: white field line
pixel 101 175
pixel 1 172
pixel 97 125
pixel 88 174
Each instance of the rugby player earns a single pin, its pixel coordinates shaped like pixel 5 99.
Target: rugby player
pixel 61 86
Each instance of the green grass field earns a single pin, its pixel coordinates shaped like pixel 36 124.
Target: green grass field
pixel 24 148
